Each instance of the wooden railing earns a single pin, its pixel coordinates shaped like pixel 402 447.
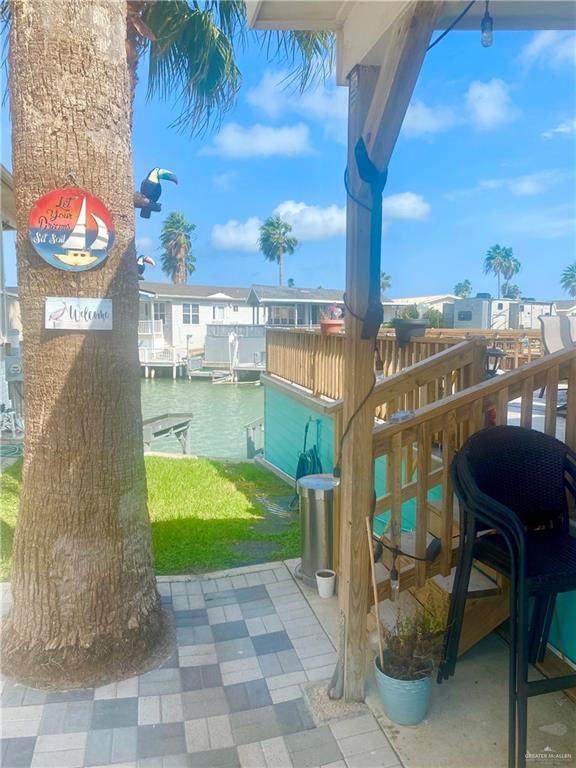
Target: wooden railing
pixel 431 379
pixel 436 432
pixel 313 361
pixel 521 346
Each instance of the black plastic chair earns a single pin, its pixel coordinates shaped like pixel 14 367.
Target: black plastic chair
pixel 512 487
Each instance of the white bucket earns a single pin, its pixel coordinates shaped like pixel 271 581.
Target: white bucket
pixel 326 581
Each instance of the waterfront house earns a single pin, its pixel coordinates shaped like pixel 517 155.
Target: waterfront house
pixel 277 305
pixel 177 316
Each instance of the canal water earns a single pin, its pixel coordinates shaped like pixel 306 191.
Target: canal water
pixel 219 414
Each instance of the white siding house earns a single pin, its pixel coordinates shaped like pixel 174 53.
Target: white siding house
pixel 176 316
pixel 500 314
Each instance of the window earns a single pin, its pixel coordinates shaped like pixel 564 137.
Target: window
pixel 521 307
pixel 160 311
pixel 465 315
pixel 217 313
pixel 190 314
pixel 282 315
pixel 500 305
pixel 235 308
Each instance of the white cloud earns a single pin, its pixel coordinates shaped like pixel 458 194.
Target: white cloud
pixel 222 181
pixel 310 222
pixel 566 127
pixel 237 235
pixel 541 223
pixel 527 184
pixel 405 205
pixel 327 105
pixel 422 120
pixel 486 106
pixel 549 48
pixel 144 243
pixel 489 104
pixel 257 140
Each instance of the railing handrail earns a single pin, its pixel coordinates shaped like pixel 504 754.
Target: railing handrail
pixel 421 373
pixel 511 381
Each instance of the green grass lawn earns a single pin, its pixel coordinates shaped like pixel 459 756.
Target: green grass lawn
pixel 199 510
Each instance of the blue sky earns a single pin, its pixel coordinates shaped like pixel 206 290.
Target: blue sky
pixel 486 155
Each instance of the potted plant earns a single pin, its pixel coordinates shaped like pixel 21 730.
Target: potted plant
pixel 408 327
pixel 331 320
pixel 404 667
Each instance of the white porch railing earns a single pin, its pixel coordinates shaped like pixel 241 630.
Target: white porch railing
pixel 167 355
pixel 150 328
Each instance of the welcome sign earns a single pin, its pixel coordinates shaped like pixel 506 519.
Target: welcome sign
pixel 78 314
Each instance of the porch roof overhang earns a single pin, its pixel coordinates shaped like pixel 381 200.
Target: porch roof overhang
pixel 360 25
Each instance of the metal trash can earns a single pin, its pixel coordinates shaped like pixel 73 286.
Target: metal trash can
pixel 316 494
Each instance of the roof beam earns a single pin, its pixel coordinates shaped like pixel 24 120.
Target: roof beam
pixel 404 43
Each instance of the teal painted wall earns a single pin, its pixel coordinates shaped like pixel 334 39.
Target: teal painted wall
pixel 565 640
pixel 285 420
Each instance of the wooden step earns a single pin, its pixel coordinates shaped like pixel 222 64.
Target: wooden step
pixel 486 604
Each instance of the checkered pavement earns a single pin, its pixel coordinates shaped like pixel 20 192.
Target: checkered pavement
pixel 231 695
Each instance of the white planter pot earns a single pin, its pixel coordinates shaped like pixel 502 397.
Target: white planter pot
pixel 326 581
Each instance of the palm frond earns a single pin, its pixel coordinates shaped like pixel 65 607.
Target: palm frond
pixel 191 63
pixel 309 56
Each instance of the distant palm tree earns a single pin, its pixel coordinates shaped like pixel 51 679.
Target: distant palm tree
pixel 385 282
pixel 177 259
pixel 275 242
pixel 290 282
pixel 511 290
pixel 501 262
pixel 568 280
pixel 463 289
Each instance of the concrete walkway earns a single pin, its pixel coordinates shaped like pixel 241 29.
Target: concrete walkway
pixel 250 650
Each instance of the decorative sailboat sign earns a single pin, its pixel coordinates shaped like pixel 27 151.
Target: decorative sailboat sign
pixel 71 229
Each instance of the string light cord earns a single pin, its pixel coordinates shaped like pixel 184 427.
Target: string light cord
pixel 337 466
pixel 451 27
pixel 351 195
pixel 350 310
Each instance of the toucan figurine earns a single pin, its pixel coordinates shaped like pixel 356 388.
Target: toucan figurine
pixel 151 188
pixel 142 261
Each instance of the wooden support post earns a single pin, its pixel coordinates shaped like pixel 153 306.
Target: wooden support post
pixel 378 99
pixel 357 484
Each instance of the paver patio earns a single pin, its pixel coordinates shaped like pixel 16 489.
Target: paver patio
pixel 233 694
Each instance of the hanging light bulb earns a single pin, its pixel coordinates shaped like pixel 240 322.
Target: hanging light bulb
pixel 394 582
pixel 487 28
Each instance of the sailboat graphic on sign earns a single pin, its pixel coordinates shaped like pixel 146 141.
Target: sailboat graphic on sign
pixel 71 229
pixel 77 253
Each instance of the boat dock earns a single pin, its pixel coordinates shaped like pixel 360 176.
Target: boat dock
pixel 168 424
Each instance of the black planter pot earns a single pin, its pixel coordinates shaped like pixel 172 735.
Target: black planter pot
pixel 407 329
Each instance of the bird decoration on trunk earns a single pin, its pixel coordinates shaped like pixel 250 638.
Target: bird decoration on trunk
pixel 142 261
pixel 152 189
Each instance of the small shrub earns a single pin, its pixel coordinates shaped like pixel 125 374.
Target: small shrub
pixel 414 644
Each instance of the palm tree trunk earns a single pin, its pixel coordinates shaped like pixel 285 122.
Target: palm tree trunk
pixel 498 276
pixel 85 605
pixel 180 276
pixel 280 268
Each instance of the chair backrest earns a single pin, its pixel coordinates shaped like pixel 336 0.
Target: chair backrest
pixel 555 333
pixel 520 468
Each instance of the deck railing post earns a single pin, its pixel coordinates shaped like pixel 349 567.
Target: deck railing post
pixel 357 465
pixel 378 99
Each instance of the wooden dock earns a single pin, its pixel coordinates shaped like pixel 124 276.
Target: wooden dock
pixel 168 424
